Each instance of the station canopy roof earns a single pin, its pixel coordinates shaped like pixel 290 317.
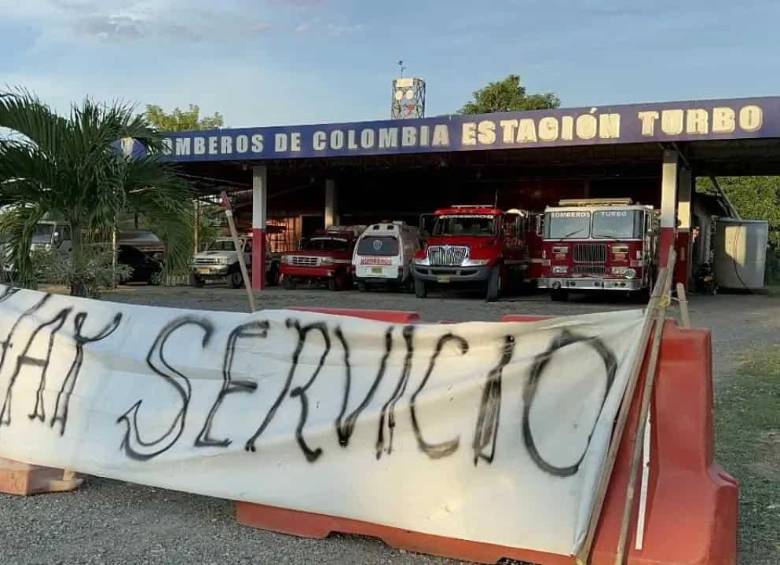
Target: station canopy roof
pixel 714 137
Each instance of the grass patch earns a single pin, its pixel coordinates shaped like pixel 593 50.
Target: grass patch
pixel 747 425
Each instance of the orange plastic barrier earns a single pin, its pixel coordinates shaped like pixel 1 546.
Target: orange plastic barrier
pixel 691 515
pixel 393 316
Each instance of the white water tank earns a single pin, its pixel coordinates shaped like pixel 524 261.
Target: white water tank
pixel 740 253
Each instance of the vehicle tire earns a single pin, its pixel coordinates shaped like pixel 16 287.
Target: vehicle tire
pixel 235 279
pixel 559 295
pixel 196 281
pixel 272 277
pixel 420 288
pixel 495 284
pixel 362 286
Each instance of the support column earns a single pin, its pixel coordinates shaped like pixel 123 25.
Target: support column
pixel 669 171
pixel 331 203
pixel 682 270
pixel 259 193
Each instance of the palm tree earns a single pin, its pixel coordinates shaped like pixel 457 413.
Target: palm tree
pixel 72 169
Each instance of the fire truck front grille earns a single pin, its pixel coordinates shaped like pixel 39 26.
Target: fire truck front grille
pixel 590 253
pixel 447 255
pixel 299 261
pixel 590 269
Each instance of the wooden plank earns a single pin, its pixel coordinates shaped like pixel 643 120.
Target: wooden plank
pixel 644 410
pixel 664 278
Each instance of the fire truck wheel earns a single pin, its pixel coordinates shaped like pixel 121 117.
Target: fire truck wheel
pixel 236 281
pixel 288 283
pixel 495 284
pixel 361 286
pixel 420 288
pixel 196 281
pixel 558 295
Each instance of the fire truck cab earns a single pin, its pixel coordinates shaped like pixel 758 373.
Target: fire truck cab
pixel 473 244
pixel 598 245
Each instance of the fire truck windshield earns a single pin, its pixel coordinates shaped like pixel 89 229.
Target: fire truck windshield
pixel 618 224
pixel 565 224
pixel 465 225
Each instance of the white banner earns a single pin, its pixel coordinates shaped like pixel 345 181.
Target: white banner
pixel 491 432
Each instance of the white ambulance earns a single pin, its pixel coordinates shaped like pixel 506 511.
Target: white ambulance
pixel 383 255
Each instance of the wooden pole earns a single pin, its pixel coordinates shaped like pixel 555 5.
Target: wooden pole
pixel 644 411
pixel 685 317
pixel 664 275
pixel 239 250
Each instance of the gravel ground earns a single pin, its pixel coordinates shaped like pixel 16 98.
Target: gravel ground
pixel 109 521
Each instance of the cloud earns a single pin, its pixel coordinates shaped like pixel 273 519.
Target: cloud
pixel 340 30
pixel 133 20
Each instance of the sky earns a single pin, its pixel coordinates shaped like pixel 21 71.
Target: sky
pixel 274 62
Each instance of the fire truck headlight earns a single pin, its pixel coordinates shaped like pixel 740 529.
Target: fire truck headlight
pixel 475 262
pixel 422 261
pixel 560 270
pixel 630 273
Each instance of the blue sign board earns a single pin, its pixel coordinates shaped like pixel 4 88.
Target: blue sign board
pixel 742 118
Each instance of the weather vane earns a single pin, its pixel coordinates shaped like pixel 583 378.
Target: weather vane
pixel 401 66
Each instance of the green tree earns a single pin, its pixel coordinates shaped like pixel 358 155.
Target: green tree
pixel 181 120
pixel 70 168
pixel 755 198
pixel 508 95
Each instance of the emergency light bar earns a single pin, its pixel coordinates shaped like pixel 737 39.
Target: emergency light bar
pixel 596 202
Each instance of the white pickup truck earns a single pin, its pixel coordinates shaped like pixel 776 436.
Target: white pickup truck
pixel 220 262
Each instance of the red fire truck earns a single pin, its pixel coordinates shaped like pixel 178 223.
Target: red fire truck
pixel 598 244
pixel 324 257
pixel 473 244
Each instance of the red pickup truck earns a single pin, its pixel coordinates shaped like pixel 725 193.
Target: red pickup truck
pixel 326 257
pixel 474 244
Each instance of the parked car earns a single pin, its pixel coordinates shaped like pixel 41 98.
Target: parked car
pixel 384 253
pixel 146 267
pixel 326 258
pixel 220 262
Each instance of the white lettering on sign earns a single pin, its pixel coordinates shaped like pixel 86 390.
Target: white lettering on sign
pixel 441 136
pixel 388 138
pixel 614 213
pixel 365 411
pixel 700 121
pixel 367 138
pixel 468 133
pixel 319 141
pixel 408 136
pixel 336 139
pixel 257 143
pixel 183 145
pixel 486 132
pixel 507 132
pixel 199 145
pixel 569 214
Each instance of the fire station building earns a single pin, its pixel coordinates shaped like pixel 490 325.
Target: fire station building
pixel 292 180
